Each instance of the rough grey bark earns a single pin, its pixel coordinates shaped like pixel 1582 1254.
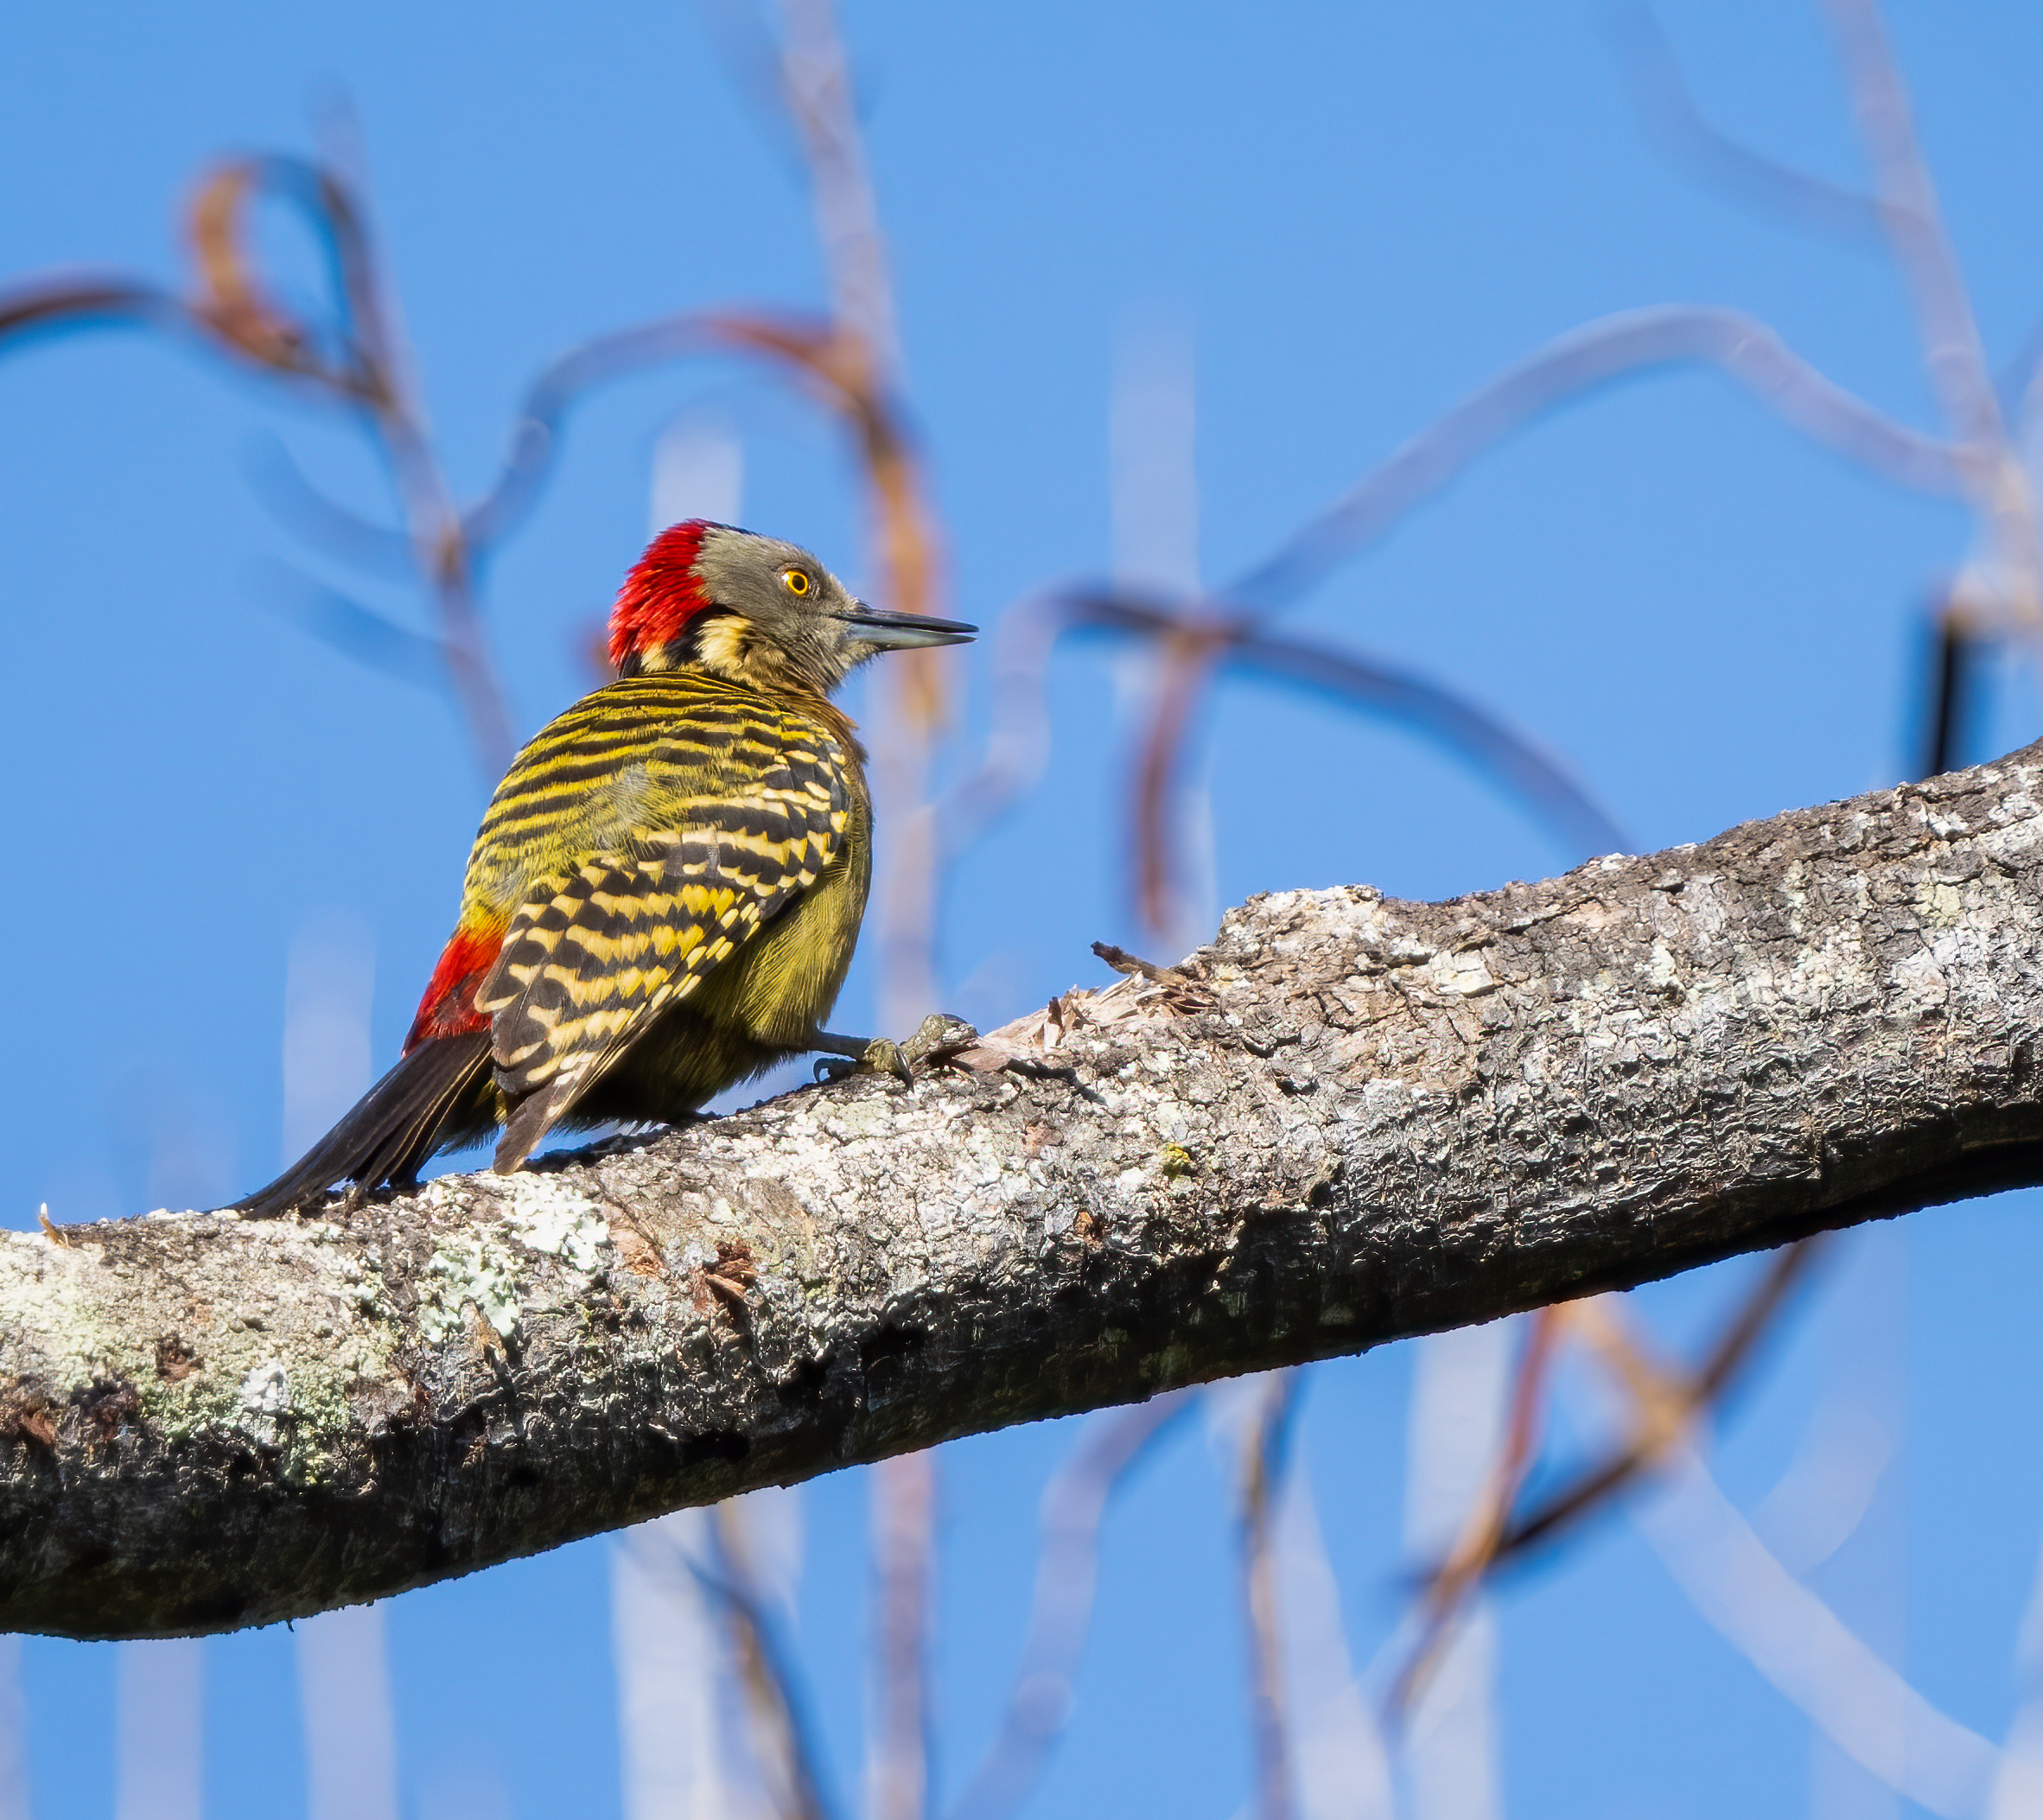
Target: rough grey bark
pixel 1355 1119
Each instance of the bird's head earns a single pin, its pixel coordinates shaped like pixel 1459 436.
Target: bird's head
pixel 754 610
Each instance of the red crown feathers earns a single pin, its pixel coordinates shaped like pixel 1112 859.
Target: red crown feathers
pixel 662 594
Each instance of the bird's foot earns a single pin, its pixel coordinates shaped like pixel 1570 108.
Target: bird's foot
pixel 939 1036
pixel 882 1056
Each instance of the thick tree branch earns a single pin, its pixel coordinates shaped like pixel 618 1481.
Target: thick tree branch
pixel 1353 1119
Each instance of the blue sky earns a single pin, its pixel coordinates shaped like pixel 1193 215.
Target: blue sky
pixel 1353 215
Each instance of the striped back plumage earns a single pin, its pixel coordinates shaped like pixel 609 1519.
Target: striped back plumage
pixel 635 845
pixel 632 749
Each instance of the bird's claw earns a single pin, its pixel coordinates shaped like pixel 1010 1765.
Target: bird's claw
pixel 937 1037
pixel 880 1056
pixel 883 1056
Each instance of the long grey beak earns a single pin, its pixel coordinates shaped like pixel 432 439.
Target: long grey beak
pixel 904 631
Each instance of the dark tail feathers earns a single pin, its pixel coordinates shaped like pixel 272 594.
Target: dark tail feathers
pixel 409 1114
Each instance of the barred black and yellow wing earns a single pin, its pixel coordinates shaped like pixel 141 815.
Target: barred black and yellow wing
pixel 647 836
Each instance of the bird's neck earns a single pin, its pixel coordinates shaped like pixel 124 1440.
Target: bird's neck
pixel 730 647
pixel 732 650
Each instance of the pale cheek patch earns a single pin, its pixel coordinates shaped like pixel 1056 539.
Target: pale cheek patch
pixel 724 644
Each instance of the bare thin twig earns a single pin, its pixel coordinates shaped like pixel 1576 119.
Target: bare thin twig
pixel 440 546
pixel 536 433
pixel 1914 222
pixel 904 1523
pixel 1448 1585
pixel 853 361
pixel 817 82
pixel 1189 648
pixel 1669 1403
pixel 780 1735
pixel 1800 1646
pixel 1943 746
pixel 358 632
pixel 1017 743
pixel 1616 346
pixel 1953 352
pixel 1669 110
pixel 1263 1468
pixel 53 304
pixel 282 485
pixel 1068 1567
pixel 357 361
pixel 1611 348
pixel 353 362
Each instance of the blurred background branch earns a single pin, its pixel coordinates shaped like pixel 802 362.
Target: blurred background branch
pixel 1262 1470
pixel 1042 1696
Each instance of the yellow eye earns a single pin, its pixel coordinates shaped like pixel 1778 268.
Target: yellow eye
pixel 798 583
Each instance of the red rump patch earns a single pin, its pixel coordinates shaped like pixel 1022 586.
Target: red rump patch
pixel 662 594
pixel 448 1007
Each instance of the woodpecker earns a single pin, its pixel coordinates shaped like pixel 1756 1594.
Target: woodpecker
pixel 664 892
